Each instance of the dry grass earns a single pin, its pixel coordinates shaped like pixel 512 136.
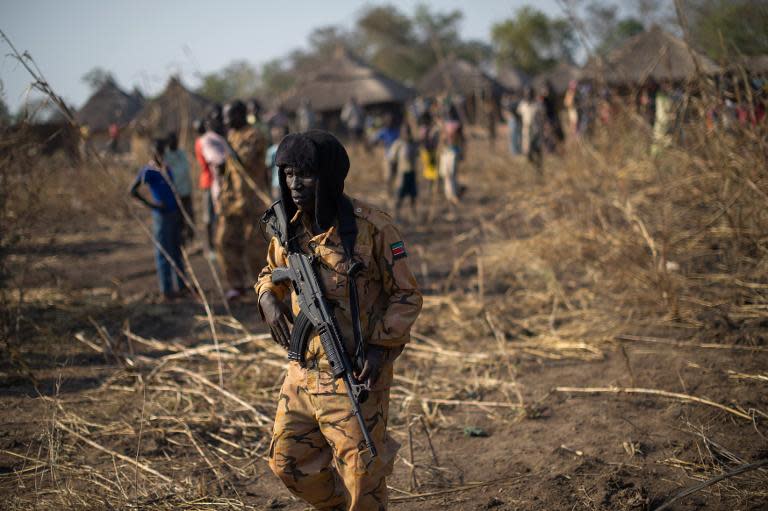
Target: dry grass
pixel 611 241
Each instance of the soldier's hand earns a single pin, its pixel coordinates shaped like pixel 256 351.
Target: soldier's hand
pixel 375 358
pixel 277 315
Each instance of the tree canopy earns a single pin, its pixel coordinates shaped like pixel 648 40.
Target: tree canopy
pixel 239 79
pixel 97 77
pixel 533 42
pixel 725 28
pixel 607 28
pixel 402 46
pixel 406 45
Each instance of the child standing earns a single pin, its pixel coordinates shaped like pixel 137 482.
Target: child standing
pixel 402 156
pixel 166 221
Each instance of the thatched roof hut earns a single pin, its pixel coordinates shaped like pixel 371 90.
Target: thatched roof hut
pixel 109 105
pixel 511 78
pixel 459 76
pixel 654 54
pixel 558 77
pixel 330 85
pixel 173 110
pixel 752 64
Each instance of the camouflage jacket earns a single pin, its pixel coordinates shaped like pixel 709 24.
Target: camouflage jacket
pixel 236 195
pixel 388 295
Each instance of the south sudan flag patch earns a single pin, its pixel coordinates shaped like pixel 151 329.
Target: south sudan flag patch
pixel 398 250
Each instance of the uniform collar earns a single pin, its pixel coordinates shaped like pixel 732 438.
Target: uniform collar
pixel 331 234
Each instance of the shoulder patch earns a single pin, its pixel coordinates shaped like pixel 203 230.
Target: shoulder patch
pixel 398 250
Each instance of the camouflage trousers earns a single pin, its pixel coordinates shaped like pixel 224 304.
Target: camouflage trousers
pixel 241 249
pixel 318 449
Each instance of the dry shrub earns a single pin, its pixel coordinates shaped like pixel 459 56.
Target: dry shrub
pixel 676 236
pixel 43 198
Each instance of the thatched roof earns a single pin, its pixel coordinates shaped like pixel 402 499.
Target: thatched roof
pixel 173 110
pixel 110 104
pixel 330 85
pixel 559 77
pixel 757 64
pixel 458 76
pixel 511 78
pixel 654 54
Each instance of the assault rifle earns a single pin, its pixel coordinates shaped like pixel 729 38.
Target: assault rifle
pixel 316 315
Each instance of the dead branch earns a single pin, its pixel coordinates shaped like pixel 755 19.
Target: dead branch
pixel 709 482
pixel 465 487
pixel 680 344
pixel 263 419
pixel 653 392
pixel 137 464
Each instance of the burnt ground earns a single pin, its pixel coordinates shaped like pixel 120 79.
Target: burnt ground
pixel 529 447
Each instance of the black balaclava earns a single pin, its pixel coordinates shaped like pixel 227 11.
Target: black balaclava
pixel 322 154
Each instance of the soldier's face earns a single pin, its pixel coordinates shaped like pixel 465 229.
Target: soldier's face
pixel 302 184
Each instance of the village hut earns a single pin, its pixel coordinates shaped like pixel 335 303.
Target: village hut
pixel 558 77
pixel 173 110
pixel 458 77
pixel 653 55
pixel 107 106
pixel 754 65
pixel 329 86
pixel 511 78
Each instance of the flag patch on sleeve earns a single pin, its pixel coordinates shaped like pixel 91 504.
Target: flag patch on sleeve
pixel 398 250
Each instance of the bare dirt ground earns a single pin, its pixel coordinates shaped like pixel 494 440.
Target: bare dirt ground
pixel 106 407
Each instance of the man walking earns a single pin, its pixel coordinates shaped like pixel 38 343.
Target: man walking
pixel 318 448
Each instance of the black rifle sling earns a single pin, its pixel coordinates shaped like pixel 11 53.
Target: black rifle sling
pixel 348 235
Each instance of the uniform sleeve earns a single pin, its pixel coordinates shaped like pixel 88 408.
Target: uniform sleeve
pixel 404 303
pixel 275 259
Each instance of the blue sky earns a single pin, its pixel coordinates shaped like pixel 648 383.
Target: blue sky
pixel 142 42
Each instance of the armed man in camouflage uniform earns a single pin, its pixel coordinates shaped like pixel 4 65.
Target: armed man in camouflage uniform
pixel 241 247
pixel 318 449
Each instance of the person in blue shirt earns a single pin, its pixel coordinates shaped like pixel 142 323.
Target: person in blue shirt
pixel 166 221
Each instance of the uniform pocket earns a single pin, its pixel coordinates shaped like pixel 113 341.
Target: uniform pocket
pixel 332 272
pixel 333 267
